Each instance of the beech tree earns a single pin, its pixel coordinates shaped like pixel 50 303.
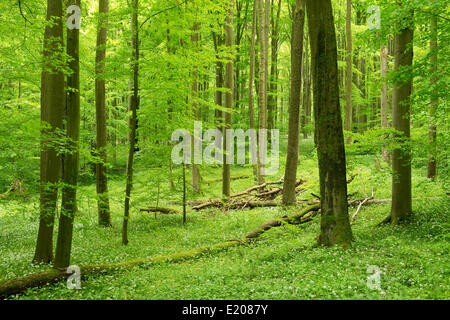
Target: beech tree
pixel 432 129
pixel 401 117
pixel 72 157
pixel 133 107
pixel 263 34
pixel 329 137
pixel 349 73
pixel 104 214
pixel 290 176
pixel 229 84
pixel 52 112
pixel 384 97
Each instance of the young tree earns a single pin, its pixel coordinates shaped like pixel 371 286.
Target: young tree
pixel 401 156
pixel 133 107
pixel 294 107
pixel 71 158
pixel 229 84
pixel 104 214
pixel 52 111
pixel 329 137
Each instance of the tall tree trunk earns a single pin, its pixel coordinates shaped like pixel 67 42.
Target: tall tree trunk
pixel 329 137
pixel 52 112
pixel 306 88
pixel 217 38
pixel 290 176
pixel 104 214
pixel 401 156
pixel 241 24
pixel 251 107
pixel 384 97
pixel 71 158
pixel 229 84
pixel 133 101
pixel 263 34
pixel 273 86
pixel 196 178
pixel 349 77
pixel 363 107
pixel 432 131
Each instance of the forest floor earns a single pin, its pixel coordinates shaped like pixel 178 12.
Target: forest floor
pixel 282 264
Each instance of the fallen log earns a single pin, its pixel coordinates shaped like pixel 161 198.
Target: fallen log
pixel 162 210
pixel 298 218
pixel 251 204
pixel 21 284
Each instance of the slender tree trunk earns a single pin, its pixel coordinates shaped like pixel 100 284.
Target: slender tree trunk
pixel 349 77
pixel 290 176
pixel 71 158
pixel 104 214
pixel 229 84
pixel 306 88
pixel 133 101
pixel 273 85
pixel 196 178
pixel 384 97
pixel 251 107
pixel 263 31
pixel 401 156
pixel 219 83
pixel 304 73
pixel 363 107
pixel 52 112
pixel 432 131
pixel 329 137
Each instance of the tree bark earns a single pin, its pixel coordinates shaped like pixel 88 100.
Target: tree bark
pixel 329 137
pixel 251 107
pixel 133 101
pixel 263 34
pixel 401 156
pixel 71 158
pixel 219 82
pixel 104 214
pixel 229 84
pixel 349 76
pixel 290 175
pixel 52 111
pixel 384 97
pixel 432 130
pixel 273 85
pixel 196 178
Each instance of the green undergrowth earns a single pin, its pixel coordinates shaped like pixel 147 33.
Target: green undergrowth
pixel 282 264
